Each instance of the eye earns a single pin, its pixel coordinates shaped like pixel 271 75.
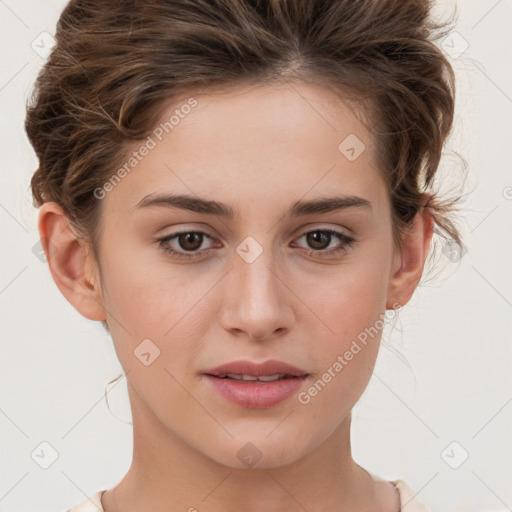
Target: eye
pixel 189 241
pixel 320 239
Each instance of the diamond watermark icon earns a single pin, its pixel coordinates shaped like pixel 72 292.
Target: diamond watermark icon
pixel 249 455
pixel 43 44
pixel 146 352
pixel 453 252
pixel 455 455
pixel 352 147
pixel 454 45
pixel 249 250
pixel 44 455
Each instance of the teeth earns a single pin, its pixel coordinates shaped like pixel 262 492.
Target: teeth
pixel 241 377
pixel 272 377
pixel 263 378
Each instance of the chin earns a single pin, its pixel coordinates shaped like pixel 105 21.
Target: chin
pixel 260 453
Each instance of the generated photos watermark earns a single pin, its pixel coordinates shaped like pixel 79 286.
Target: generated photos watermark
pixel 137 156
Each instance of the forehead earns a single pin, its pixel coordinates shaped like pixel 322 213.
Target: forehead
pixel 279 109
pixel 254 142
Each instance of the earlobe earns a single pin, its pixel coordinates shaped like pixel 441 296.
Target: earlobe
pixel 408 272
pixel 70 261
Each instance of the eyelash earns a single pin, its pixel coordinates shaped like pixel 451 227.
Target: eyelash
pixel 347 242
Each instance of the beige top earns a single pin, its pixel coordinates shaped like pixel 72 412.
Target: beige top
pixel 408 501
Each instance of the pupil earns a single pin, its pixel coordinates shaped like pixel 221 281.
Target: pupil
pixel 315 236
pixel 189 237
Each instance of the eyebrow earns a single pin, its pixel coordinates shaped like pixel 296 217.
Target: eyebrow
pixel 210 207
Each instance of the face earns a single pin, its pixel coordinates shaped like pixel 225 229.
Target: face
pixel 186 291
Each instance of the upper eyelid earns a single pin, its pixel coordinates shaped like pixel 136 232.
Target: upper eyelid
pixel 311 226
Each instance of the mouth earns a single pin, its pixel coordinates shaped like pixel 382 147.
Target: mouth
pixel 256 385
pixel 256 391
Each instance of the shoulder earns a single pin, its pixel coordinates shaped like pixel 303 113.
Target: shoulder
pixel 408 499
pixel 90 504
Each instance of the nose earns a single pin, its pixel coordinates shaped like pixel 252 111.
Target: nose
pixel 257 299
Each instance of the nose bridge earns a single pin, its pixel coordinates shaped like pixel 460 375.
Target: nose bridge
pixel 258 303
pixel 257 278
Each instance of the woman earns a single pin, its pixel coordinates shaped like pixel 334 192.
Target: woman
pixel 241 191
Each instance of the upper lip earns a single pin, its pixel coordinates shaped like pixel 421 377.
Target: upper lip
pixel 268 368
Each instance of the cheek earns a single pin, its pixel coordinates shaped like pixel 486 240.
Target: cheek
pixel 142 294
pixel 349 313
pixel 151 301
pixel 349 299
pixel 354 312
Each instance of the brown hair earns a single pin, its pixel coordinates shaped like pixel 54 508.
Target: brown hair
pixel 115 63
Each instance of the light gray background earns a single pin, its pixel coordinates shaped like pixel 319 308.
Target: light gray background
pixel 455 332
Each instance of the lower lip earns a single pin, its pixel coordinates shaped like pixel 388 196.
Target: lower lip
pixel 256 394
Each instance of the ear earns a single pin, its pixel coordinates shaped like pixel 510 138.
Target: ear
pixel 409 263
pixel 71 262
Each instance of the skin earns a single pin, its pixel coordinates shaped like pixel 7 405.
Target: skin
pixel 247 146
